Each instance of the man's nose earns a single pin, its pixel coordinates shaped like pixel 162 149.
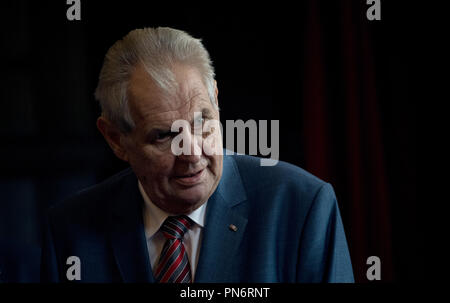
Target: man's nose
pixel 195 148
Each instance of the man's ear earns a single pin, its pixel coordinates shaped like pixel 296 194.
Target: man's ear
pixel 113 136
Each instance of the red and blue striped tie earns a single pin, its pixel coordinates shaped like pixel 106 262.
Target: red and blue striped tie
pixel 173 265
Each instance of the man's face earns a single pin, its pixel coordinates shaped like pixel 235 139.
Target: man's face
pixel 176 184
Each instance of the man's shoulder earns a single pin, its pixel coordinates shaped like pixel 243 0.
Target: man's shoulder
pixel 283 177
pixel 94 199
pixel 250 167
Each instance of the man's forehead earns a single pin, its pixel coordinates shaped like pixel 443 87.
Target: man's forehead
pixel 144 91
pixel 147 99
pixel 170 113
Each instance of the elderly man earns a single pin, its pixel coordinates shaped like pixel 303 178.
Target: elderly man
pixel 195 215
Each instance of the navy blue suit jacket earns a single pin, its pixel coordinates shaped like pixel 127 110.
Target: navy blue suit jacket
pixel 288 230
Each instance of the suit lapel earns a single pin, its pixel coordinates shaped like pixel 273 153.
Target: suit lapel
pixel 128 235
pixel 220 243
pixel 224 228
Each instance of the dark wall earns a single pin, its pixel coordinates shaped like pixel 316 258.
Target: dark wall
pixel 338 83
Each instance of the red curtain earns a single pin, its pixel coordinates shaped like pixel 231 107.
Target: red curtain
pixel 345 147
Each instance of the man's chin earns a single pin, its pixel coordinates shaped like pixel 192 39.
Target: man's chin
pixel 186 200
pixel 191 200
pixel 183 206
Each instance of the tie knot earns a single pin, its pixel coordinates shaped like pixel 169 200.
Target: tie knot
pixel 175 226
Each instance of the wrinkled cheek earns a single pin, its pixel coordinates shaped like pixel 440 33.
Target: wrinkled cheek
pixel 144 168
pixel 156 181
pixel 144 174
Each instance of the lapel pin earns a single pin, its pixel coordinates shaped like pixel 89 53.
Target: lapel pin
pixel 233 227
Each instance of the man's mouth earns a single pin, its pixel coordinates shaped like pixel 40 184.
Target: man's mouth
pixel 190 178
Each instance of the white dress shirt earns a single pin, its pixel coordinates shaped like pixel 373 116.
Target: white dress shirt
pixel 154 217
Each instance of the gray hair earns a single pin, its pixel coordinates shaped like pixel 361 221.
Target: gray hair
pixel 157 49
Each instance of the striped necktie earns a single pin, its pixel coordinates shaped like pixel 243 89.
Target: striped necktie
pixel 173 265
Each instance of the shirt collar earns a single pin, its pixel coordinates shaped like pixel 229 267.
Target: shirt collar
pixel 154 216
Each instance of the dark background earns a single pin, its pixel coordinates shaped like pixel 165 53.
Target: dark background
pixel 338 83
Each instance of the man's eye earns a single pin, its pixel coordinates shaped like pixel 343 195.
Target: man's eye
pixel 164 136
